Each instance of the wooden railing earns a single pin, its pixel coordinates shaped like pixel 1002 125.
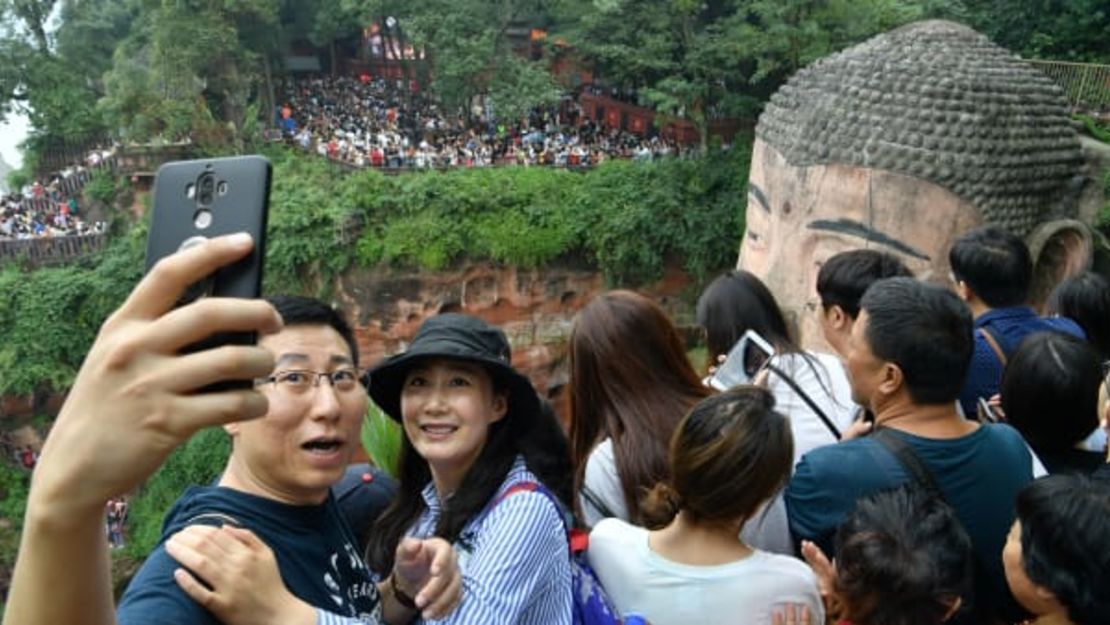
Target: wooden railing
pixel 46 251
pixel 1086 85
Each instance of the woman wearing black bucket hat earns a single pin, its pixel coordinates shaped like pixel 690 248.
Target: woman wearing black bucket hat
pixel 475 434
pixel 483 465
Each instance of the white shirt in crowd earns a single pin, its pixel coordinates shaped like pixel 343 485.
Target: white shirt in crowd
pixel 822 378
pixel 743 592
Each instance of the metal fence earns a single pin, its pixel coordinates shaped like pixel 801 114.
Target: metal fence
pixel 1086 85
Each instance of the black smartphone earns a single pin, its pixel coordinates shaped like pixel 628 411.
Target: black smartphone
pixel 200 199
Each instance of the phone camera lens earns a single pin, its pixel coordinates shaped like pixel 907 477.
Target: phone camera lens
pixel 207 185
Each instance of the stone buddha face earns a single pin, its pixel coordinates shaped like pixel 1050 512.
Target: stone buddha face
pixel 798 217
pixel 901 143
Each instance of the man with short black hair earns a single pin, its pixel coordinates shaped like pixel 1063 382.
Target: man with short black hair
pixel 906 358
pixel 992 270
pixel 841 283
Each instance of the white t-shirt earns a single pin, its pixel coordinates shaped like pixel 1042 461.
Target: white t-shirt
pixel 822 378
pixel 744 592
pixel 604 483
pixel 767 529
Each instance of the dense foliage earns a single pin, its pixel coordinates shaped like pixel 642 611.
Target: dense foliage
pixel 51 316
pixel 626 218
pixel 14 485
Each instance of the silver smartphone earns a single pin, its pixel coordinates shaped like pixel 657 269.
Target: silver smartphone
pixel 743 362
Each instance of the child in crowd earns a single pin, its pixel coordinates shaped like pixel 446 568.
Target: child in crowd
pixel 728 456
pixel 630 385
pixel 903 558
pixel 1057 556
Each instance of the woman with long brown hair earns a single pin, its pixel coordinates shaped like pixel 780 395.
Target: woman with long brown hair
pixel 630 385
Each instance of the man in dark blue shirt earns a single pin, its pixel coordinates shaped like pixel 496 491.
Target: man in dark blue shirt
pixel 906 359
pixel 993 270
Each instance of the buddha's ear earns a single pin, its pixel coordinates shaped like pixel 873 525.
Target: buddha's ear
pixel 1060 249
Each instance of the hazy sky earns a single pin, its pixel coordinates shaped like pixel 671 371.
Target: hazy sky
pixel 12 131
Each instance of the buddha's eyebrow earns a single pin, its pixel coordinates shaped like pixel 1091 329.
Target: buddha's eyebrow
pixel 757 193
pixel 854 228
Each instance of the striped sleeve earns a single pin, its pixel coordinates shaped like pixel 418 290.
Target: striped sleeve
pixel 323 617
pixel 519 570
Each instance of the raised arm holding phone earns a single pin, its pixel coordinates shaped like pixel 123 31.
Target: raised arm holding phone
pixel 193 347
pixel 131 404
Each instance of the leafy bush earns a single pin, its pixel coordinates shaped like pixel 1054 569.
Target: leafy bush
pixel 14 485
pixel 198 462
pixel 18 178
pixel 51 316
pixel 627 218
pixel 1094 128
pixel 101 186
pixel 381 438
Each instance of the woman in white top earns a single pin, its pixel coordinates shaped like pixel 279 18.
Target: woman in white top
pixel 811 389
pixel 730 455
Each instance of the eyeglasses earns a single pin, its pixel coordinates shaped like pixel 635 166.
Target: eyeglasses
pixel 298 381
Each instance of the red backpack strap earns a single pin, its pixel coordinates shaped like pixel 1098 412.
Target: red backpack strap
pixel 579 540
pixel 519 487
pixel 575 537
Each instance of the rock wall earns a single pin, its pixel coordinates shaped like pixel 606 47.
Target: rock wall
pixel 535 307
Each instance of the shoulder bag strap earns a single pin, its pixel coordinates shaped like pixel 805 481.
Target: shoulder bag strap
pixel 216 519
pixel 805 397
pixel 901 450
pixel 993 342
pixel 907 457
pixel 594 500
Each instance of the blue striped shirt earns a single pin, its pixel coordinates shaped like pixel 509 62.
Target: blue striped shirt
pixel 514 560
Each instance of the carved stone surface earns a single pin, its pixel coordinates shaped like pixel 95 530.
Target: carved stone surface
pixel 535 307
pixel 937 101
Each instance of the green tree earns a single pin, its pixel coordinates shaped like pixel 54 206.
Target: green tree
pixel 706 60
pixel 39 78
pixel 190 69
pixel 469 45
pixel 1069 30
pixel 333 21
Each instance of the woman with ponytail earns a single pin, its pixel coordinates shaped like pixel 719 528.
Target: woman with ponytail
pixel 728 456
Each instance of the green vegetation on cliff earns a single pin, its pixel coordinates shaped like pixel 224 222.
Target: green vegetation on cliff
pixel 626 218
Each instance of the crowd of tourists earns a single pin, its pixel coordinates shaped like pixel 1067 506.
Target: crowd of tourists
pixel 51 209
pixel 945 463
pixel 367 122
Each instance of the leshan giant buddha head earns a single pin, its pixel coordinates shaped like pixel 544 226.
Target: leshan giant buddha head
pixel 900 144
